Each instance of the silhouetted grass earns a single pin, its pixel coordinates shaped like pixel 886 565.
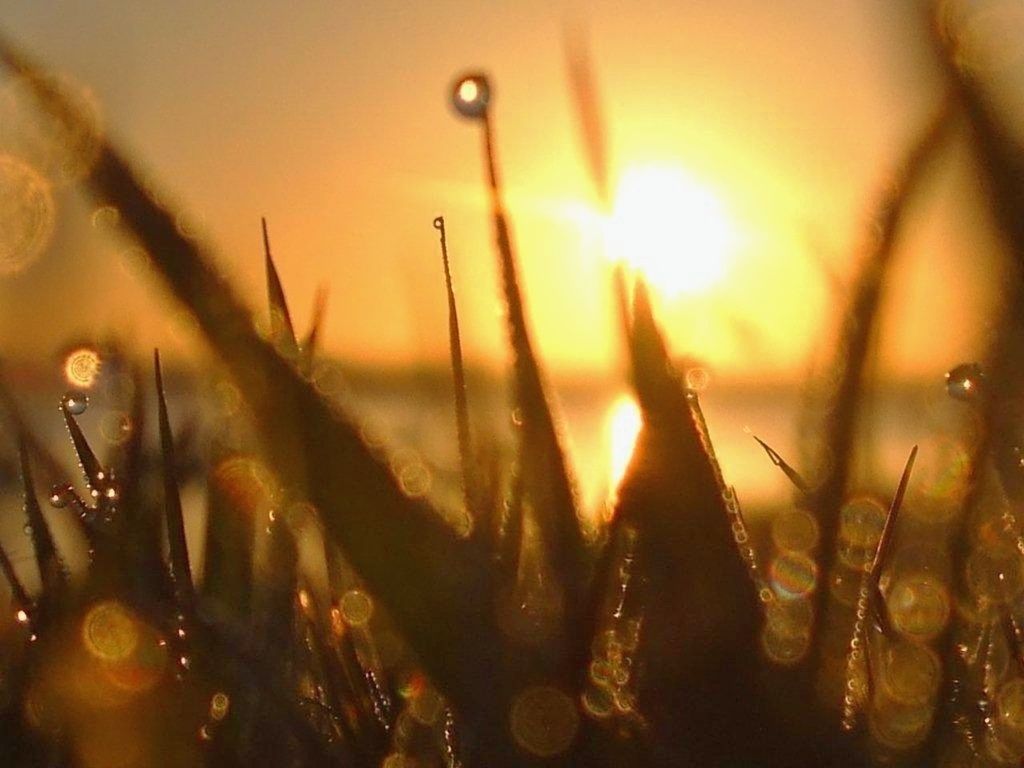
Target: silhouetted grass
pixel 524 642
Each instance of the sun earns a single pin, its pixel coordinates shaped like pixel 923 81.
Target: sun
pixel 673 229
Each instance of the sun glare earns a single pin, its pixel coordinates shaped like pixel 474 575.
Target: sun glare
pixel 672 228
pixel 622 425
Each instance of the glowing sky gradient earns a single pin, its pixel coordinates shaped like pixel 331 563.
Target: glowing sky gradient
pixel 330 118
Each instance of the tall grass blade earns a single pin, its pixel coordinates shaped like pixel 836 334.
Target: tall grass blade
pixel 282 332
pixel 871 605
pixel 546 480
pixel 181 567
pixel 699 643
pixel 459 377
pixel 51 570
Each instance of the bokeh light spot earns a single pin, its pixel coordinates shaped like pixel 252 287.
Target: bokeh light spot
pixel 109 631
pixel 544 720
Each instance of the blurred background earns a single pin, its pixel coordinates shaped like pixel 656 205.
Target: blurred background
pixel 747 144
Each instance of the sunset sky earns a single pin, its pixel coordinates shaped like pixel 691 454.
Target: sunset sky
pixel 331 118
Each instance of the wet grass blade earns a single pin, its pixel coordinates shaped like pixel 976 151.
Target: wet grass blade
pixel 546 480
pixel 433 584
pixel 698 596
pixel 459 376
pixel 141 517
pixel 871 605
pixel 181 568
pixel 87 460
pixel 888 530
pixel 51 569
pixel 282 332
pixel 19 594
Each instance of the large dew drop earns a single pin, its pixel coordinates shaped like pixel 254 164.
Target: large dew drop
pixel 965 381
pixel 75 404
pixel 471 94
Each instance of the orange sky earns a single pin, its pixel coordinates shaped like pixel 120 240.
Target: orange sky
pixel 331 119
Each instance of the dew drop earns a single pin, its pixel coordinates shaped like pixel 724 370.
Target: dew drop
pixel 27 529
pixel 220 703
pixel 697 379
pixel 356 607
pixel 58 497
pixel 471 95
pixel 965 381
pixel 75 404
pixel 106 218
pixel 544 720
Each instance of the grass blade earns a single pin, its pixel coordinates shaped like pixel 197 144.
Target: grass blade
pixel 51 569
pixel 546 480
pixel 181 568
pixel 699 598
pixel 282 332
pixel 794 477
pixel 459 376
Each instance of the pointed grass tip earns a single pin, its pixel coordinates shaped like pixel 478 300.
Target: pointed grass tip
pixel 794 477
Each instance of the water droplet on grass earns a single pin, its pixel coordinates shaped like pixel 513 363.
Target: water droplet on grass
pixel 965 381
pixel 471 95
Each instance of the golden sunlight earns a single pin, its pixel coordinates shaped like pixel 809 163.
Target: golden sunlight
pixel 622 425
pixel 672 228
